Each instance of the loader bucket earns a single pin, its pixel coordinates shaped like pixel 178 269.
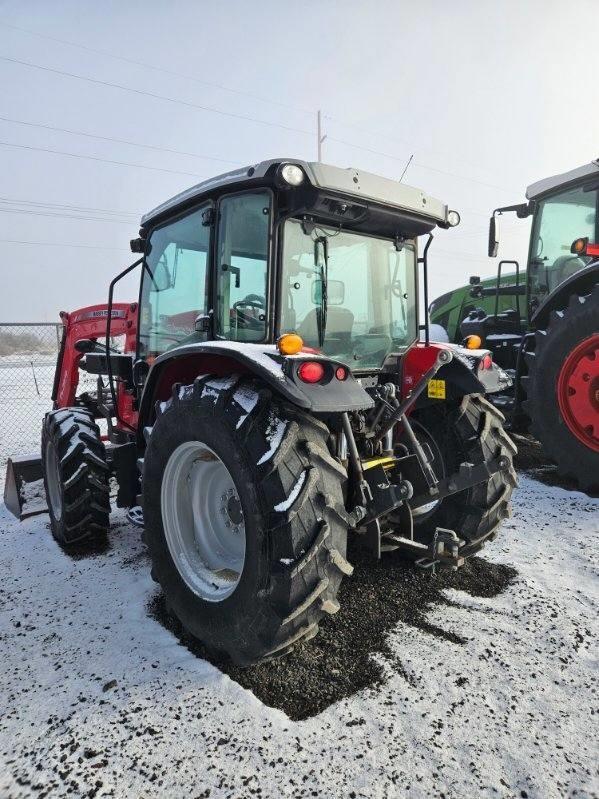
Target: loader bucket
pixel 24 493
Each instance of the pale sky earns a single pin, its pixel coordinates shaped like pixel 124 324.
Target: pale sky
pixel 488 97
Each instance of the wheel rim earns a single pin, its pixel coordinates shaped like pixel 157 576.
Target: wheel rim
pixel 578 392
pixel 53 482
pixel 203 521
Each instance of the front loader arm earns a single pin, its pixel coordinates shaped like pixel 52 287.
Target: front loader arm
pixel 23 492
pixel 88 323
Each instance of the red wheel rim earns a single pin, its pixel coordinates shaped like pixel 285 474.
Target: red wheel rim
pixel 578 392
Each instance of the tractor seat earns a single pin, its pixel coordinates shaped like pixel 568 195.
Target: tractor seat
pixel 562 268
pixel 340 322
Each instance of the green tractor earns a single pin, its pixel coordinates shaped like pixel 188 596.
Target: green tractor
pixel 543 329
pixel 447 312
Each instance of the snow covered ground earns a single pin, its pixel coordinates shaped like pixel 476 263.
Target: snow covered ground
pixel 97 698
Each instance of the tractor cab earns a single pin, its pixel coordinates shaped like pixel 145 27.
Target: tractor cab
pixel 565 229
pixel 565 211
pixel 327 253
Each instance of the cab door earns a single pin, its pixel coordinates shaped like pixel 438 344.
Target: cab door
pixel 242 255
pixel 174 289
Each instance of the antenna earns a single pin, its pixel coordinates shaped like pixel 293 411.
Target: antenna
pixel 405 169
pixel 320 136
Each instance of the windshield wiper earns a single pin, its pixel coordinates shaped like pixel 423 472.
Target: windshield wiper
pixel 321 245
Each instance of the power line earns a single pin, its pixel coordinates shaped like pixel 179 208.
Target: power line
pixel 62 206
pixel 117 141
pixel 218 111
pixel 30 212
pixel 147 65
pixel 404 143
pixel 419 164
pixel 60 244
pixel 96 158
pixel 155 96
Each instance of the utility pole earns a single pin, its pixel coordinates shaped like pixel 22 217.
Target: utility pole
pixel 321 138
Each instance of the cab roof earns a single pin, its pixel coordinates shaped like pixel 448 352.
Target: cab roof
pixel 349 182
pixel 564 180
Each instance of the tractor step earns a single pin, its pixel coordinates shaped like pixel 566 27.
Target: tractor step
pixel 24 493
pixel 444 549
pixel 136 516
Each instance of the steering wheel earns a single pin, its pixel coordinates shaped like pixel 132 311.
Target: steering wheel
pixel 245 320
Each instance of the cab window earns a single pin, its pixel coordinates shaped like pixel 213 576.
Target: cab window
pixel 242 266
pixel 558 222
pixel 173 293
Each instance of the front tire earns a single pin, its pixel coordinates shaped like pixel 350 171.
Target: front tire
pixel 470 432
pixel 76 477
pixel 286 495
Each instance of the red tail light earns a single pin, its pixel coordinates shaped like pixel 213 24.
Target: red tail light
pixel 311 372
pixel 341 373
pixel 486 362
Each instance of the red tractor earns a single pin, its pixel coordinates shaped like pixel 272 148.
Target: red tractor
pixel 272 396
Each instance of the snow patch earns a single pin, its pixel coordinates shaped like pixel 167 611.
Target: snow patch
pixel 274 435
pixel 211 393
pixel 259 353
pixel 515 702
pixel 35 490
pixel 185 391
pixel 222 383
pixel 287 503
pixel 246 398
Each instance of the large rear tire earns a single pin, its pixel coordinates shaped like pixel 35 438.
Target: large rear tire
pixel 75 477
pixel 562 389
pixel 262 470
pixel 469 432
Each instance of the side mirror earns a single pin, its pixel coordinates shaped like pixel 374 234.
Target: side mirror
pixel 161 275
pixel 476 289
pixel 493 240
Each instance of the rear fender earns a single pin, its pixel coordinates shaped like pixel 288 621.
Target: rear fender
pixel 580 283
pixel 460 374
pixel 183 364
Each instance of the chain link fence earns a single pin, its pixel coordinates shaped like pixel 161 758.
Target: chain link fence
pixel 28 353
pixel 27 362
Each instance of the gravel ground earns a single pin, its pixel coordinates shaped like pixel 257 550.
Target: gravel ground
pixel 481 683
pixel 341 660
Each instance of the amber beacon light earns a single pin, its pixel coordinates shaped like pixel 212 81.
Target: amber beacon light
pixel 474 342
pixel 290 344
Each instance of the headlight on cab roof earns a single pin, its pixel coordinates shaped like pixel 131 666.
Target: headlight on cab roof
pixel 292 174
pixel 453 218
